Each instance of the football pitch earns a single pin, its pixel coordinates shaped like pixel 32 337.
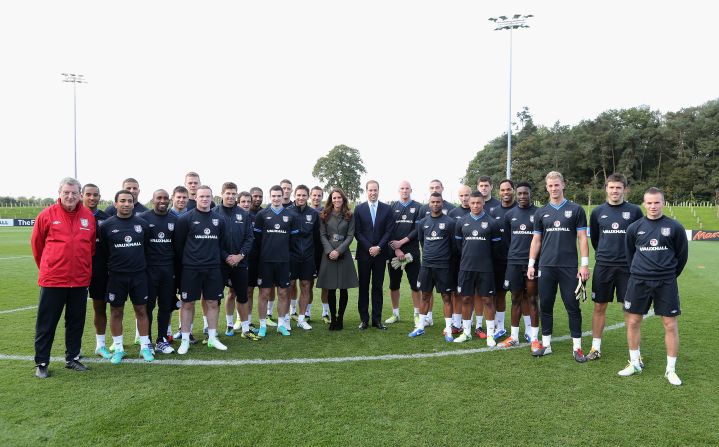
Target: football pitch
pixel 361 388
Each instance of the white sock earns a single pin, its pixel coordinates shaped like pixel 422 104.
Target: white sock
pixel 429 316
pixel 249 318
pixel 308 311
pixel 204 323
pixel 514 331
pixel 144 341
pixel 479 321
pixel 499 320
pixel 300 318
pixel 229 319
pixel 634 357
pixel 467 326
pixel 185 337
pixel 117 341
pixel 448 325
pixel 325 309
pixel 395 312
pixel 420 323
pixel 212 334
pixel 597 344
pixel 269 307
pixel 527 323
pixel 263 322
pixel 169 329
pixel 287 321
pixel 245 326
pixel 457 320
pixel 671 363
pixel 546 341
pixel 137 330
pixel 293 306
pixel 576 343
pixel 534 333
pixel 416 311
pixel 99 341
pixel 192 327
pixel 490 328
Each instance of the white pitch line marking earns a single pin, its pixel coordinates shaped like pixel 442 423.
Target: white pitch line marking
pixel 14 257
pixel 306 361
pixel 17 310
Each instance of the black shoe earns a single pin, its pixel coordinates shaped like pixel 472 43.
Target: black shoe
pixel 193 340
pixel 75 365
pixel 379 325
pixel 333 325
pixel 41 371
pixel 340 324
pixel 363 326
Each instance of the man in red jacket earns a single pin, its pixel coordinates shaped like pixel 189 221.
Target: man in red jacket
pixel 63 243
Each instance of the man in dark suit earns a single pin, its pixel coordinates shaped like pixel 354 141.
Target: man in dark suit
pixel 373 228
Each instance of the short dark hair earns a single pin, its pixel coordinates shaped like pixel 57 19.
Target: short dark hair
pixel 484 179
pixel 318 188
pixel 123 191
pixel 506 180
pixel 229 185
pixel 130 180
pixel 276 188
pixel 371 181
pixel 616 177
pixel 304 188
pixel 477 194
pixel 436 194
pixel 89 185
pixel 244 194
pixel 524 184
pixel 255 189
pixel 654 190
pixel 180 189
pixel 438 181
pixel 284 180
pixel 204 187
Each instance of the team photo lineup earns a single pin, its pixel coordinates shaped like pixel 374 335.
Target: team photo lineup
pixel 309 242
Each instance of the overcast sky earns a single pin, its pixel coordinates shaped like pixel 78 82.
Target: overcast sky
pixel 254 92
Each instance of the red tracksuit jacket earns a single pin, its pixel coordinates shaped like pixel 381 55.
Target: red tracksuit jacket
pixel 63 244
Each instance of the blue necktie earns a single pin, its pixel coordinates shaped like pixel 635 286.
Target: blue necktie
pixel 373 211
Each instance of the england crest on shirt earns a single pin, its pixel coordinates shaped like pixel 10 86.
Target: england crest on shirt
pixel 441 226
pixel 83 222
pixel 485 225
pixel 238 217
pixel 568 214
pixel 531 219
pixel 626 215
pixel 138 228
pixel 309 218
pixel 171 226
pixel 285 218
pixel 215 222
pixel 666 231
pixel 412 210
pixel 444 211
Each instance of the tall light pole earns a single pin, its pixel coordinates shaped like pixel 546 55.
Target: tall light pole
pixel 510 23
pixel 75 79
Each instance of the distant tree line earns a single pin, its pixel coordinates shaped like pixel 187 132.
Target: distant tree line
pixel 677 152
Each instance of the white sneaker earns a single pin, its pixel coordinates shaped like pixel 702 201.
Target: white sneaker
pixel 237 326
pixel 392 320
pixel 462 338
pixel 630 370
pixel 429 321
pixel 304 325
pixel 491 342
pixel 673 378
pixel 217 344
pixel 184 347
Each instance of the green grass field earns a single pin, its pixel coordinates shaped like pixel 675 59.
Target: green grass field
pixel 453 395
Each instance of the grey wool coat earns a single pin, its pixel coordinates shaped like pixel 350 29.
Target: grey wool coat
pixel 337 234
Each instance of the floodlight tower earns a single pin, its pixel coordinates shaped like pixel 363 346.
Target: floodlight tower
pixel 74 79
pixel 517 21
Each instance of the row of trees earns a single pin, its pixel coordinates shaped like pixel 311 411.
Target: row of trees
pixel 677 151
pixel 25 201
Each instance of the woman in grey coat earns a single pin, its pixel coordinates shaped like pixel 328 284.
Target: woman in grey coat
pixel 337 271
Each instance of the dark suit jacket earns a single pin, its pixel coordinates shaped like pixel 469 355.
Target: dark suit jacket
pixel 368 235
